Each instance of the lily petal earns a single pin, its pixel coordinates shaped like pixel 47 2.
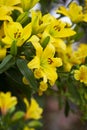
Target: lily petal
pixel 49 51
pixel 35 41
pixel 35 63
pixel 9 2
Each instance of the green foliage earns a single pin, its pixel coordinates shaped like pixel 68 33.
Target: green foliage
pixel 22 65
pixel 8 62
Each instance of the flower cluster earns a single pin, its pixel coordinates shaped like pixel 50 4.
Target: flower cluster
pixel 38 51
pixel 7 106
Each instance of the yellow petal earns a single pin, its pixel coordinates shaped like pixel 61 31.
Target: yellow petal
pixel 34 63
pixel 13 32
pixel 48 52
pixel 38 73
pixel 26 103
pixel 17 8
pixel 62 10
pixel 63 33
pixel 27 31
pixel 33 111
pixel 6 17
pixel 85 17
pixel 51 75
pixel 57 62
pixel 43 86
pixel 2 53
pixel 7 41
pixel 9 2
pixel 4 13
pixel 35 41
pixel 11 28
pixel 59 44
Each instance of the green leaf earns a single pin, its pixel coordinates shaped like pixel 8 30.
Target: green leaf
pixel 18 115
pixel 22 65
pixel 8 61
pixel 35 124
pixel 16 85
pixel 74 92
pixel 13 49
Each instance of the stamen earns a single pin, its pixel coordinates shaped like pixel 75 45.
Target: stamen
pixel 40 22
pixel 56 27
pixel 50 61
pixel 17 34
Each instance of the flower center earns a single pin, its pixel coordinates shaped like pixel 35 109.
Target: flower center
pixel 40 22
pixel 50 61
pixel 17 34
pixel 56 27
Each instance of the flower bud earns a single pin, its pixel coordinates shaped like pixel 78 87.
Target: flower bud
pixel 22 18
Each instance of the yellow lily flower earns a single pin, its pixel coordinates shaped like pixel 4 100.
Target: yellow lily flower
pixel 7 102
pixel 81 74
pixel 33 110
pixel 56 31
pixel 28 4
pixel 74 12
pixel 44 62
pixel 15 32
pixel 65 55
pixel 39 22
pixel 78 56
pixel 73 56
pixel 11 5
pixel 58 43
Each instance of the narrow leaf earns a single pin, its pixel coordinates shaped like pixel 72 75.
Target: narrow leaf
pixel 73 90
pixel 22 65
pixel 8 61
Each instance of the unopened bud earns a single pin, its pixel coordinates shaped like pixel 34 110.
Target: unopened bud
pixel 23 17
